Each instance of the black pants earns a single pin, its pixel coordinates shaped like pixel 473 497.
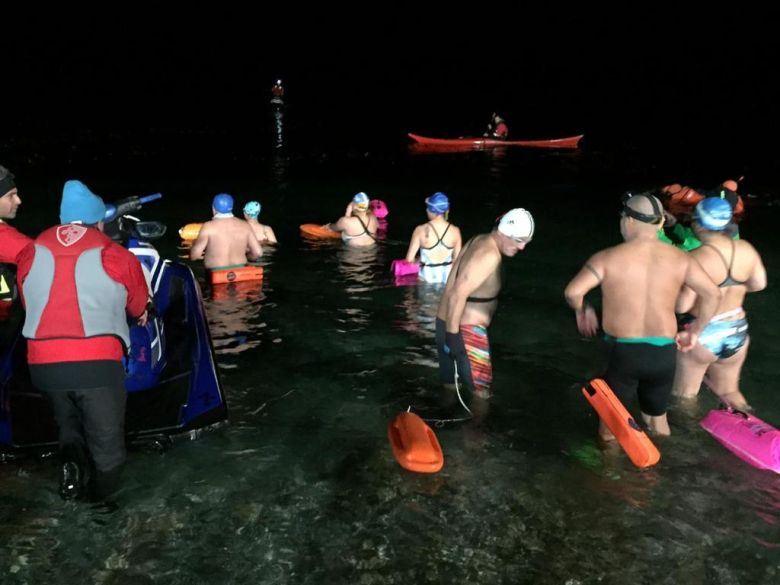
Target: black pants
pixel 90 418
pixel 642 370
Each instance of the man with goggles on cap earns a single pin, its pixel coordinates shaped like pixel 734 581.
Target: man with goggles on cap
pixel 640 282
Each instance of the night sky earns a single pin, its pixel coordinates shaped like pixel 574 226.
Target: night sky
pixel 696 80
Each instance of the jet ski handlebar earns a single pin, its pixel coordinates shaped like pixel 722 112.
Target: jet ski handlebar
pixel 127 205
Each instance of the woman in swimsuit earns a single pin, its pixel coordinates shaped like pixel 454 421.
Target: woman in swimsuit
pixel 737 269
pixel 438 241
pixel 358 226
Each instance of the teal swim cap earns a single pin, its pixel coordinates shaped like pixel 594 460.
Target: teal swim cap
pixel 223 203
pixel 252 209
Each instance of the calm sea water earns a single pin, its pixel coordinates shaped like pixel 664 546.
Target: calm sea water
pixel 301 487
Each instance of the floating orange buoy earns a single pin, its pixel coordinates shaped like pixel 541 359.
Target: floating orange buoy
pixel 238 274
pixel 190 231
pixel 414 444
pixel 313 230
pixel 633 439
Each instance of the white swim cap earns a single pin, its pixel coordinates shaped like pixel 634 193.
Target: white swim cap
pixel 517 224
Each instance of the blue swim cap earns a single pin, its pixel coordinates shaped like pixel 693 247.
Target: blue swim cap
pixel 223 203
pixel 713 213
pixel 252 209
pixel 360 200
pixel 438 203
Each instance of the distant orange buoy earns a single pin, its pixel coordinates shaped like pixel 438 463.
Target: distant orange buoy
pixel 414 444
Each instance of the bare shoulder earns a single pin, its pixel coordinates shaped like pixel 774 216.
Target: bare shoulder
pixel 746 246
pixel 604 256
pixel 484 250
pixel 207 227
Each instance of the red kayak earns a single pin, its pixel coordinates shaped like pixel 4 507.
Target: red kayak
pixel 480 143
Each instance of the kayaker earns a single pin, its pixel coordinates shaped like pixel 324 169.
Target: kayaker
pixel 497 128
pixel 737 269
pixel 277 91
pixel 640 280
pixel 469 301
pixel 437 240
pixel 264 233
pixel 224 241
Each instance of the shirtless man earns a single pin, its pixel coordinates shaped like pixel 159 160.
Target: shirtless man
pixel 737 269
pixel 469 300
pixel 640 281
pixel 225 241
pixel 263 233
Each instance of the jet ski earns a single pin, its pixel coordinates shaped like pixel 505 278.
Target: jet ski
pixel 173 388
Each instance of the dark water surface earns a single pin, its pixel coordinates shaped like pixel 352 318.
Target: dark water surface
pixel 301 487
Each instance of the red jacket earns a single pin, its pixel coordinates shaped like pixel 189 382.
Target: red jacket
pixel 75 310
pixel 12 242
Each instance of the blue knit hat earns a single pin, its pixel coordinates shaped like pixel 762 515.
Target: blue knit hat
pixel 713 213
pixel 80 205
pixel 438 203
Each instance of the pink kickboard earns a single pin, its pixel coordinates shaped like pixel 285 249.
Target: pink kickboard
pixel 404 268
pixel 747 436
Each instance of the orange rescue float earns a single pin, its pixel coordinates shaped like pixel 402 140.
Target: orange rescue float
pixel 190 231
pixel 318 232
pixel 236 274
pixel 414 444
pixel 633 439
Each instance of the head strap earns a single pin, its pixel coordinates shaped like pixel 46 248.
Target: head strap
pixel 657 215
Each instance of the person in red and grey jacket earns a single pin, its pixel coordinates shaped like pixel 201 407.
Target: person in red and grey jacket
pixel 78 287
pixel 11 241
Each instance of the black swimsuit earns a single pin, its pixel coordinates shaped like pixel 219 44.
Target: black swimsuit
pixel 729 280
pixel 439 241
pixel 345 236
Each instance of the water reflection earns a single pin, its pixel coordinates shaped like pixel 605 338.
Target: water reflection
pixel 359 266
pixel 419 305
pixel 280 167
pixel 278 117
pixel 235 320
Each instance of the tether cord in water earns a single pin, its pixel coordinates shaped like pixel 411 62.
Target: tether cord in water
pixel 439 422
